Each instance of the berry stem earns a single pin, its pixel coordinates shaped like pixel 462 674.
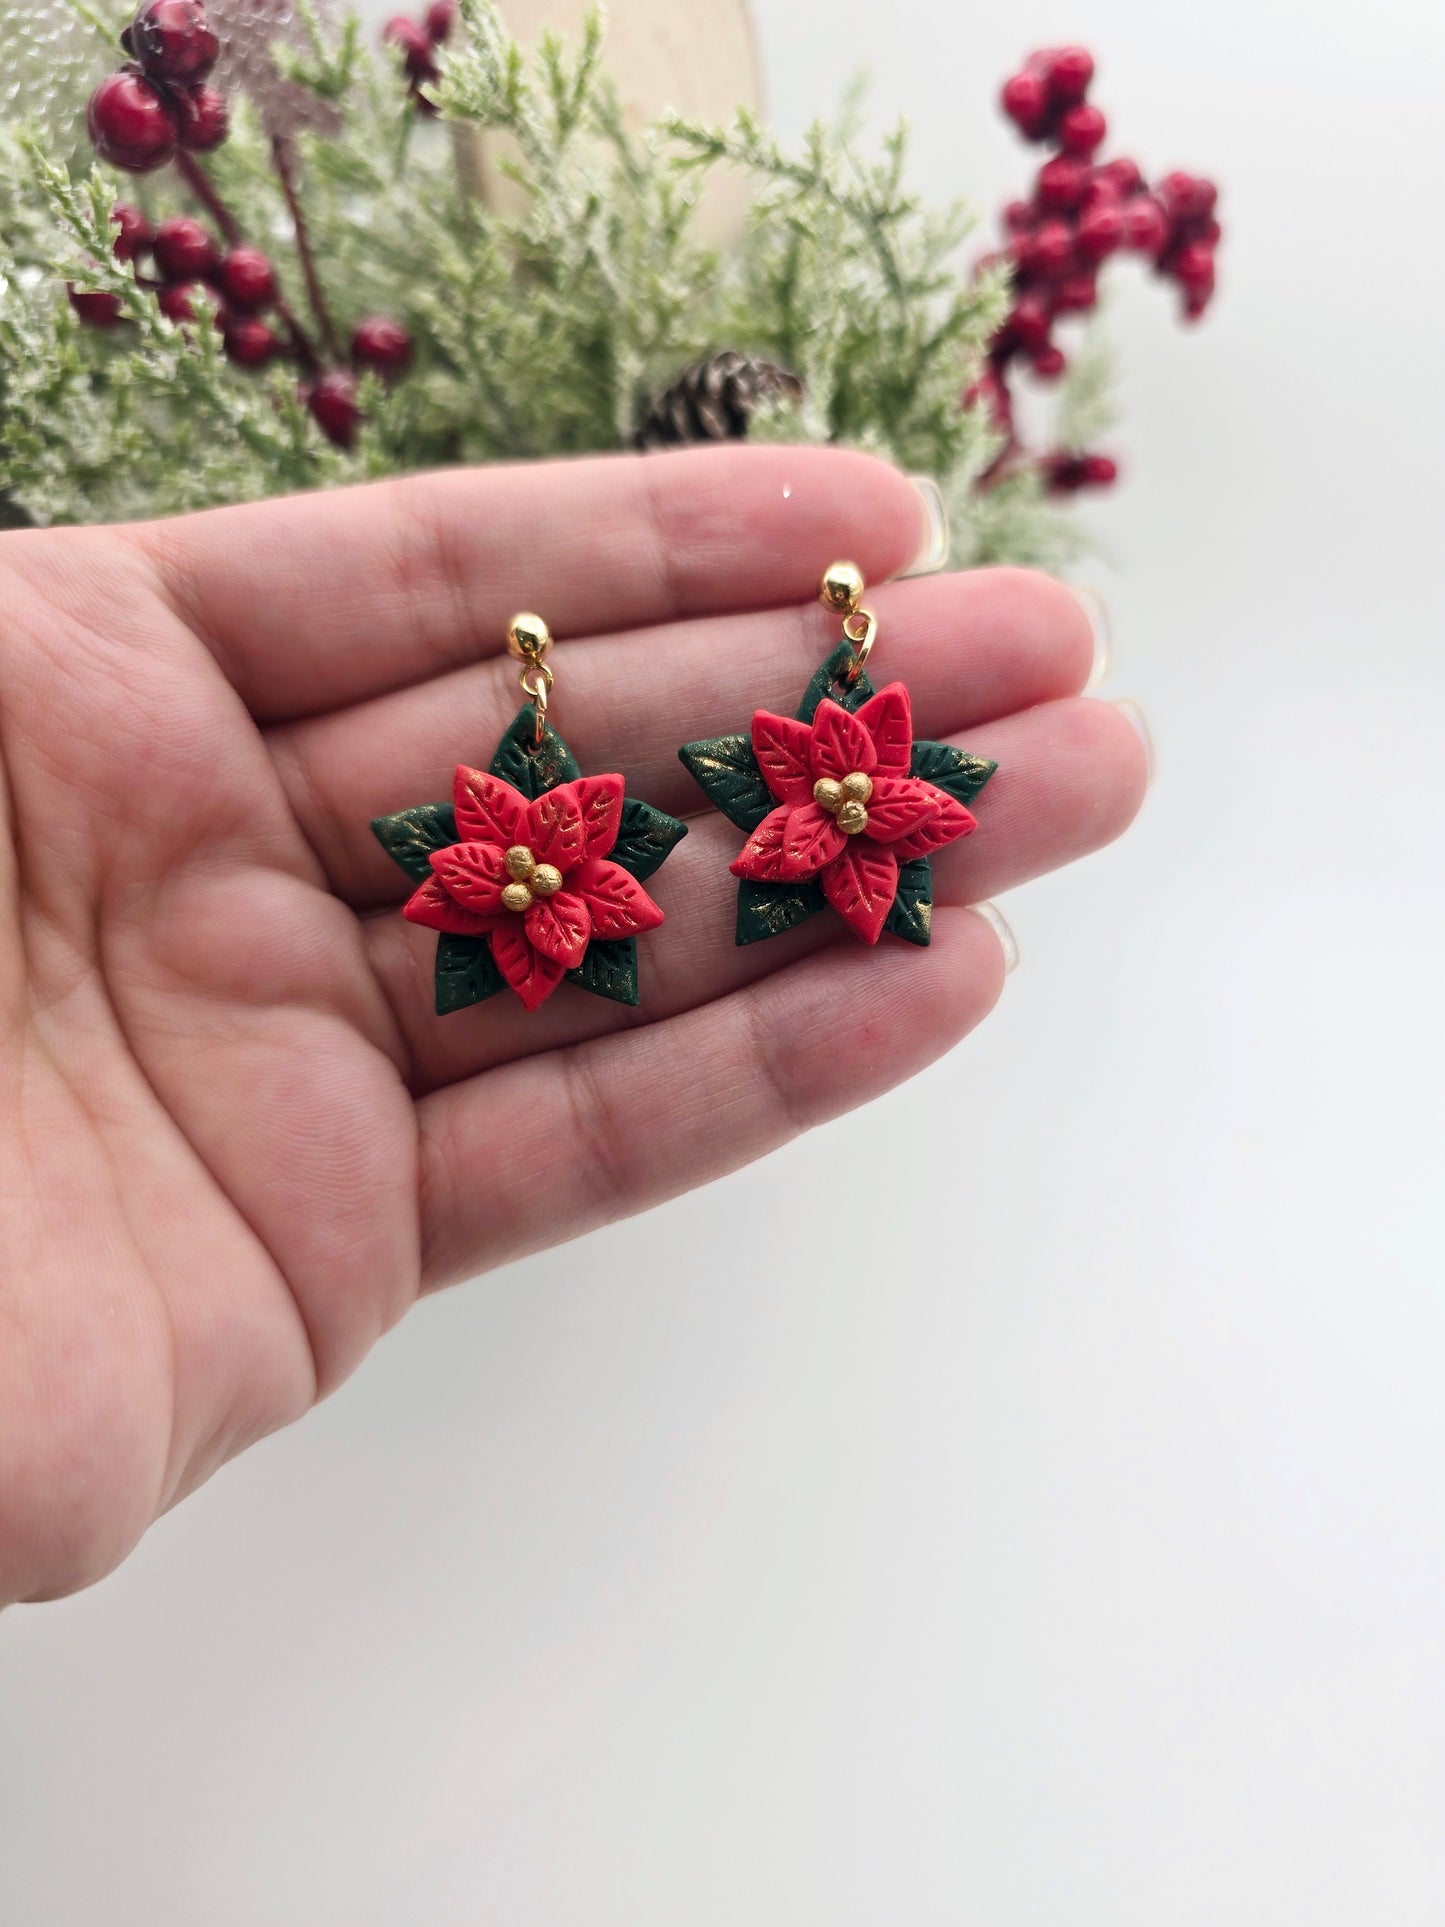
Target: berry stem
pixel 283 156
pixel 201 185
pixel 199 182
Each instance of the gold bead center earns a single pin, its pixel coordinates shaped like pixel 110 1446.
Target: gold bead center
pixel 846 800
pixel 516 896
pixel 546 880
pixel 520 863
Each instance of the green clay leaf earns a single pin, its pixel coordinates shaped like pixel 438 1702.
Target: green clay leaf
pixel 609 969
pixel 533 768
pixel 410 836
pixel 912 914
pixel 828 681
pixel 768 909
pixel 646 840
pixel 950 769
pixel 466 973
pixel 727 772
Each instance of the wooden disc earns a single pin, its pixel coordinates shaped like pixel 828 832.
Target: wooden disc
pixel 698 60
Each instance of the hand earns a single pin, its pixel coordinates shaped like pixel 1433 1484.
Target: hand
pixel 237 1144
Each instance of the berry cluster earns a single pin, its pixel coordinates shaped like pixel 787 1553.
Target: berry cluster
pixel 1083 209
pixel 147 114
pixel 159 101
pixel 417 42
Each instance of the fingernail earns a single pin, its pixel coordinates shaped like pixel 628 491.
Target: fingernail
pixel 934 553
pixel 1134 716
pixel 1007 941
pixel 1097 610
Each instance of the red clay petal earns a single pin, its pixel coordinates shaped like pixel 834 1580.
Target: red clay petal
pixel 783 747
pixel 888 718
pixel 553 829
pixel 560 927
pixel 763 858
pixel 488 810
pixel 861 887
pixel 898 806
pixel 433 909
pixel 840 743
pixel 473 873
pixel 599 798
pixel 811 838
pixel 950 821
pixel 619 905
pixel 533 976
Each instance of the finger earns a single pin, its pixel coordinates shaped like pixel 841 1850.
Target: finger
pixel 597 1131
pixel 1071 777
pixel 970 647
pixel 318 600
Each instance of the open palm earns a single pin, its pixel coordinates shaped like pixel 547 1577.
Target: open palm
pixel 237 1143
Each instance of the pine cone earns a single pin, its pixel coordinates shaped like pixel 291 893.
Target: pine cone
pixel 713 401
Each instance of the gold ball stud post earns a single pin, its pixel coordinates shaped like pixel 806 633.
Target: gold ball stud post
pixel 528 638
pixel 841 589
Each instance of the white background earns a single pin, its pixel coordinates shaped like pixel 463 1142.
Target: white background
pixel 1088 1566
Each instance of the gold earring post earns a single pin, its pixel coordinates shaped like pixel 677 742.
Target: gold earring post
pixel 841 590
pixel 529 641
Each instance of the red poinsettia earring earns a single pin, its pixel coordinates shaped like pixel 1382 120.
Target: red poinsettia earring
pixel 533 872
pixel 842 807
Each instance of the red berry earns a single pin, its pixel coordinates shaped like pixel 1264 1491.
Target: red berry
pixel 332 401
pixel 1146 225
pixel 95 307
pixel 1077 295
pixel 1122 175
pixel 1061 183
pixel 415 47
pixel 249 342
pixel 130 123
pixel 184 250
pixel 382 344
pixel 1050 249
pixel 1082 129
pixel 178 303
pixel 203 115
pixel 1070 71
pixel 172 40
pixel 1193 268
pixel 1062 472
pixel 1188 197
pixel 1099 471
pixel 1030 321
pixel 1050 363
pixel 135 235
pixel 441 17
pixel 1101 229
pixel 1195 305
pixel 246 279
pixel 1025 99
pixel 1019 216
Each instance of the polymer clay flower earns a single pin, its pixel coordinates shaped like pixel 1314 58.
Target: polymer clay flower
pixel 533 878
pixel 849 811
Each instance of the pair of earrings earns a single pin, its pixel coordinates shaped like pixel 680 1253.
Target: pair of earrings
pixel 534 872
